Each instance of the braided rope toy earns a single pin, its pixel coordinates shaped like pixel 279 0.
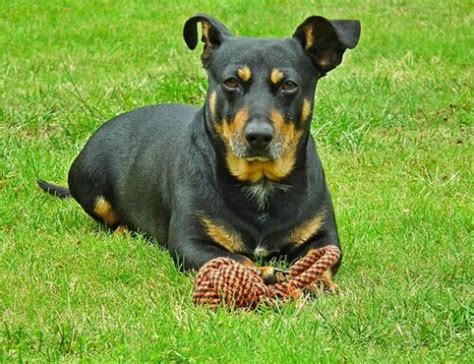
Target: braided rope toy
pixel 223 281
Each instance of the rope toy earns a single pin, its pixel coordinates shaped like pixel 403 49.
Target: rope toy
pixel 223 281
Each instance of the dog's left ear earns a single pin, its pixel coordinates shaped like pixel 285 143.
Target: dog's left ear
pixel 213 34
pixel 325 41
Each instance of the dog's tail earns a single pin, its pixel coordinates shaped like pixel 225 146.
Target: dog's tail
pixel 58 191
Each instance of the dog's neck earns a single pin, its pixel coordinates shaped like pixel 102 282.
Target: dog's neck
pixel 261 192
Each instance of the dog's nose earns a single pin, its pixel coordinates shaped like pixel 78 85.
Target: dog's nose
pixel 258 134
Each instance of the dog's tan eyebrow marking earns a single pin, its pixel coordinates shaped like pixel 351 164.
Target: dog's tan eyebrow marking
pixel 104 210
pixel 244 73
pixel 276 76
pixel 305 110
pixel 302 233
pixel 223 236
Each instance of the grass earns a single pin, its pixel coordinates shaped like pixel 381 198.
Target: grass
pixel 394 126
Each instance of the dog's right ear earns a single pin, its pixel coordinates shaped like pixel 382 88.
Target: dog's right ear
pixel 213 34
pixel 325 41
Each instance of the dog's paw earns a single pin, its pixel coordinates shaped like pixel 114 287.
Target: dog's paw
pixel 324 284
pixel 272 275
pixel 121 230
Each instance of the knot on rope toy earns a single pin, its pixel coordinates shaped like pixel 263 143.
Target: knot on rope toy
pixel 226 282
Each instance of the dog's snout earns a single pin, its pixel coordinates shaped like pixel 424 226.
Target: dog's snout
pixel 258 134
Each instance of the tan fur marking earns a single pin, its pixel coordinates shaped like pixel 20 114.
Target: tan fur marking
pixel 103 209
pixel 276 76
pixel 308 30
pixel 207 42
pixel 301 234
pixel 275 170
pixel 324 284
pixel 254 171
pixel 305 111
pixel 228 130
pixel 223 236
pixel 212 105
pixel 121 230
pixel 327 59
pixel 205 32
pixel 247 262
pixel 244 73
pixel 265 272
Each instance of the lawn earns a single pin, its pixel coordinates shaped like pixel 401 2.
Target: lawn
pixel 394 127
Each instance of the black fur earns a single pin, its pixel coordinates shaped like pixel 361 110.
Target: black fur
pixel 163 168
pixel 52 189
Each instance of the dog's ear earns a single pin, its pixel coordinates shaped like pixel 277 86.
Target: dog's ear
pixel 325 41
pixel 213 34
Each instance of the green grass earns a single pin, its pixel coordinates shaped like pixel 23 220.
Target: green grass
pixel 394 126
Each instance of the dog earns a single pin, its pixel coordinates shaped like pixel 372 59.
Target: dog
pixel 238 178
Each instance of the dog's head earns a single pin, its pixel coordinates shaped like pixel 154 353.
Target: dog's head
pixel 261 91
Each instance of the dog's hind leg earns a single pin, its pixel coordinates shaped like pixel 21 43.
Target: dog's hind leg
pixel 104 212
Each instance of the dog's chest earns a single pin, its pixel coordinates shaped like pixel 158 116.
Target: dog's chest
pixel 260 194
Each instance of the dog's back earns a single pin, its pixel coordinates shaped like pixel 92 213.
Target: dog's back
pixel 119 155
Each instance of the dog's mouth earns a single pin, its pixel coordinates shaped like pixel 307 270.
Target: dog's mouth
pixel 270 153
pixel 275 162
pixel 260 155
pixel 257 159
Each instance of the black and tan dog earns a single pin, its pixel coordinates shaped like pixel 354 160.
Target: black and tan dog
pixel 238 178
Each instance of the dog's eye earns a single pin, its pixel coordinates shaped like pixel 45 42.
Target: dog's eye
pixel 289 86
pixel 231 82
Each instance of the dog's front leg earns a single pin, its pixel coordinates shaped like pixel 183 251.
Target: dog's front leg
pixel 191 246
pixel 192 254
